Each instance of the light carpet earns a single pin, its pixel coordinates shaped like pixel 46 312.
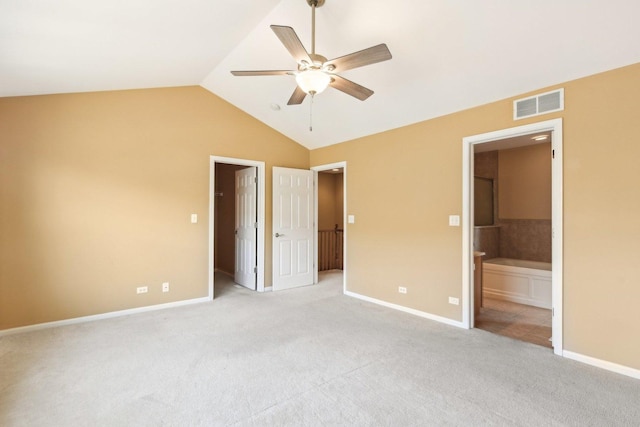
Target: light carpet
pixel 304 357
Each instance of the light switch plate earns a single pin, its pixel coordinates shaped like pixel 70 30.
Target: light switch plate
pixel 454 220
pixel 351 219
pixel 194 218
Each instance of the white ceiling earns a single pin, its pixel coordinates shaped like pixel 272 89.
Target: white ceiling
pixel 447 55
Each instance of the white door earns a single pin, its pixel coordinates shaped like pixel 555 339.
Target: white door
pixel 292 228
pixel 246 227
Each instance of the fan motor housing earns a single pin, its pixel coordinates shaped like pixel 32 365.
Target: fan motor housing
pixel 318 61
pixel 317 3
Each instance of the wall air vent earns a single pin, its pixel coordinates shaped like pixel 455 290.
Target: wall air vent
pixel 543 103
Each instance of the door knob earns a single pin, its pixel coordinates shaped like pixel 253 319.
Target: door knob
pixel 279 235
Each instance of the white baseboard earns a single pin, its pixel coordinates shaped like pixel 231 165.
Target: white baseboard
pixel 102 316
pixel 598 363
pixel 268 289
pixel 406 310
pixel 603 364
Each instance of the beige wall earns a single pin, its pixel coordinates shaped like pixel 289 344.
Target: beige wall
pixel 339 195
pixel 403 184
pixel 330 200
pixel 524 176
pixel 96 192
pixel 326 201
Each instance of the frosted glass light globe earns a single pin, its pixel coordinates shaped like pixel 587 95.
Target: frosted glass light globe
pixel 313 81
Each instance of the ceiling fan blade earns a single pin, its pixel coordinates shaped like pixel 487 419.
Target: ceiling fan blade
pixel 262 73
pixel 350 88
pixel 361 58
pixel 290 40
pixel 297 97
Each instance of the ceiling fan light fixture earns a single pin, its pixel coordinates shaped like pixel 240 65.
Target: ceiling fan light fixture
pixel 313 81
pixel 315 73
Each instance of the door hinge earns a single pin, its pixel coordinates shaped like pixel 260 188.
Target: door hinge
pixel 553 312
pixel 255 225
pixel 255 270
pixel 255 179
pixel 553 154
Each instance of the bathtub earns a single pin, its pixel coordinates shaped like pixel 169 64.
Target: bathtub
pixel 521 281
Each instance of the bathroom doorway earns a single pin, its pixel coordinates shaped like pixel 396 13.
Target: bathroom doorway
pixel 512 237
pixel 521 244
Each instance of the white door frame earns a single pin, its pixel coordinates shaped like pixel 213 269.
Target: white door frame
pixel 261 215
pixel 315 170
pixel 555 126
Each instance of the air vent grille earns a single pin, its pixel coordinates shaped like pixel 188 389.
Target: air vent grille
pixel 543 103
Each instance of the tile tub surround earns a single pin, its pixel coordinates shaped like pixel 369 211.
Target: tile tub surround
pixel 528 239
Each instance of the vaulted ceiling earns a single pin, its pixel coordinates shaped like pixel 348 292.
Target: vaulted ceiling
pixel 447 55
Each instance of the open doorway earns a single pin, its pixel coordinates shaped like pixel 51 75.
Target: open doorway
pixel 235 219
pixel 483 242
pixel 330 223
pixel 236 225
pixel 512 237
pixel 330 219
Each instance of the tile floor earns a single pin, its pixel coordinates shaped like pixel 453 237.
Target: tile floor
pixel 522 322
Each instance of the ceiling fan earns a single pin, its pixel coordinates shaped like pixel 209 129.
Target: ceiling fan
pixel 314 71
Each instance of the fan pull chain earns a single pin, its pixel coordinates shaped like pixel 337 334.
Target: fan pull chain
pixel 311 113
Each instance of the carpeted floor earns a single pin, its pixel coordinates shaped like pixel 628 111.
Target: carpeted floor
pixel 304 357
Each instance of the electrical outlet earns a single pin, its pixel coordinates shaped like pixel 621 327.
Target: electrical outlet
pixel 142 290
pixel 454 301
pixel 402 289
pixel 165 287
